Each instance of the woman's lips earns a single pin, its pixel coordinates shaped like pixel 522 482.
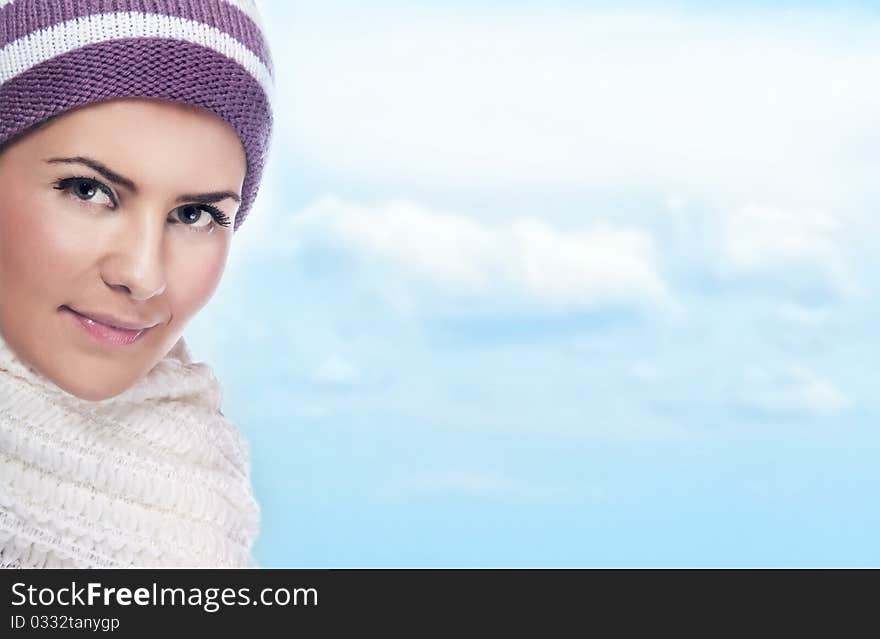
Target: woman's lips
pixel 104 333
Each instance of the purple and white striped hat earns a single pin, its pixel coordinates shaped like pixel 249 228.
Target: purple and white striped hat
pixel 56 55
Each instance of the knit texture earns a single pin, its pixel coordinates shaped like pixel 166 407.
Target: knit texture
pixel 59 55
pixel 154 477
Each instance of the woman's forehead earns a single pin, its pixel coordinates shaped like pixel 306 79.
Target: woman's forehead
pixel 148 141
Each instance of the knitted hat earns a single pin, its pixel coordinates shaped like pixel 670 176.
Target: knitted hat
pixel 56 55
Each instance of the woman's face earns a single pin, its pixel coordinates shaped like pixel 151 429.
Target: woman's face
pixel 113 211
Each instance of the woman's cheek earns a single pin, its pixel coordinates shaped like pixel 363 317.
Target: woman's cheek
pixel 193 276
pixel 70 225
pixel 41 239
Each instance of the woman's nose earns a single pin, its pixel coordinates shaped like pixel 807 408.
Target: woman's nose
pixel 137 258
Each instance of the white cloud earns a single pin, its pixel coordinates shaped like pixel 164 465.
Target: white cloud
pixel 336 371
pixel 766 239
pixel 479 484
pixel 791 390
pixel 525 259
pixel 718 109
pixel 804 315
pixel 764 104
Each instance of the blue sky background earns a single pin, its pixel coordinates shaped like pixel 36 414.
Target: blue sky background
pixel 562 284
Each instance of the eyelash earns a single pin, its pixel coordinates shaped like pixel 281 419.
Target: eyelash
pixel 63 184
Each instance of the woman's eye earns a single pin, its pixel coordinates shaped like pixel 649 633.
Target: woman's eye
pixel 194 216
pixel 86 189
pixel 200 216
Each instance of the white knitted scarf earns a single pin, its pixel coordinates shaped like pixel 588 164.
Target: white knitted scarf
pixel 155 476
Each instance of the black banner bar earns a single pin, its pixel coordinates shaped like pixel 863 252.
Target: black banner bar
pixel 287 602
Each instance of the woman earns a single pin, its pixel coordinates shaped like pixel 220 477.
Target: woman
pixel 132 142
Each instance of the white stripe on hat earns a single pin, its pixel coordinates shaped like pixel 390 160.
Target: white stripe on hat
pixel 36 47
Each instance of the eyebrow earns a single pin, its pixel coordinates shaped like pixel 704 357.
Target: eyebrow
pixel 116 178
